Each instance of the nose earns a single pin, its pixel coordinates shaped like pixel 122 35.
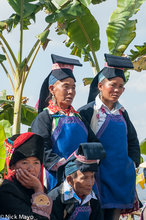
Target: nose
pixel 30 168
pixel 116 89
pixel 70 91
pixel 90 182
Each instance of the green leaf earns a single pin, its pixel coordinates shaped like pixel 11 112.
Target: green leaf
pixel 2 148
pixel 43 36
pixel 67 14
pixel 5 132
pixel 120 30
pixel 2 58
pixel 28 114
pixel 127 75
pixel 87 81
pixel 143 147
pixel 86 2
pixel 59 3
pixel 28 8
pixel 6 110
pixel 97 1
pixel 141 50
pixel 84 31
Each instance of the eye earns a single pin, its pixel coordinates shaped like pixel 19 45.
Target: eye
pixel 113 85
pixel 24 162
pixel 65 86
pixel 121 86
pixel 36 162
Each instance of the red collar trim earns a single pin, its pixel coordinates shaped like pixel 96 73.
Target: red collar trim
pixel 54 108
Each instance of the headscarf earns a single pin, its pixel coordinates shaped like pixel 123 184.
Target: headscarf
pixel 114 67
pixel 62 68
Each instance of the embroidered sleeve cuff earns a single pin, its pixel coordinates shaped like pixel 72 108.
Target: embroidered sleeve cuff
pixel 41 204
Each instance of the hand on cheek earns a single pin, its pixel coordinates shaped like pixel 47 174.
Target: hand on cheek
pixel 28 180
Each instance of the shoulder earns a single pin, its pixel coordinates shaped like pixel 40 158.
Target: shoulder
pixel 87 106
pixel 86 111
pixel 43 115
pixel 9 189
pixel 42 118
pixel 55 192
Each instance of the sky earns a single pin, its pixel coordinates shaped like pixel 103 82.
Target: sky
pixel 134 96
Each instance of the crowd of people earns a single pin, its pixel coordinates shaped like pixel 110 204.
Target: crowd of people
pixel 74 164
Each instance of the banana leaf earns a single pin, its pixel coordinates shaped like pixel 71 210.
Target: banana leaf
pixel 141 50
pixel 28 113
pixel 84 31
pixel 5 132
pixel 2 58
pixel 120 30
pixel 28 7
pixel 143 147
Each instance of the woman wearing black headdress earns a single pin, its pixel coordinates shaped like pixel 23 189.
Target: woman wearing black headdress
pixel 22 191
pixel 110 122
pixel 59 124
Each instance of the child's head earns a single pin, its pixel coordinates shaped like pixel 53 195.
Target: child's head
pixel 81 166
pixel 81 182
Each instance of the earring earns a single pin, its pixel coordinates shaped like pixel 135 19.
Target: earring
pixel 53 99
pixel 100 94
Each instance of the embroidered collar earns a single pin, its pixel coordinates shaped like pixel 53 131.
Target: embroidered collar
pixel 69 193
pixel 54 109
pixel 100 104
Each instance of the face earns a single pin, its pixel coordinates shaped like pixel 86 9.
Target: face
pixel 31 164
pixel 64 92
pixel 111 90
pixel 82 183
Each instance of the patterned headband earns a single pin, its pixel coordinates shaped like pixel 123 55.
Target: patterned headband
pixel 106 65
pixel 56 66
pixel 83 159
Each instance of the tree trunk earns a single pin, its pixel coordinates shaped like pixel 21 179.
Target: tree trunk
pixel 17 109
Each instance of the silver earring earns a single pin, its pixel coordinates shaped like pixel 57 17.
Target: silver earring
pixel 53 99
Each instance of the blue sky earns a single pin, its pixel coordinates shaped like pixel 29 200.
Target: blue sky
pixel 134 97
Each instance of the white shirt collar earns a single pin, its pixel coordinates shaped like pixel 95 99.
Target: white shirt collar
pixel 99 104
pixel 70 193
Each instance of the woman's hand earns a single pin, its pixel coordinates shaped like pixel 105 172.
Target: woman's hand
pixel 28 180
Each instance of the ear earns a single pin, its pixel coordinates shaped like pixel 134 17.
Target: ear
pixel 69 180
pixel 51 89
pixel 100 86
pixel 12 167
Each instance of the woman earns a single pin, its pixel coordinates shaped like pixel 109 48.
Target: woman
pixel 59 124
pixel 110 122
pixel 22 192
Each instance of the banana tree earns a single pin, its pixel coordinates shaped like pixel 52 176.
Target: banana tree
pixel 74 19
pixel 24 12
pixel 121 31
pixel 20 68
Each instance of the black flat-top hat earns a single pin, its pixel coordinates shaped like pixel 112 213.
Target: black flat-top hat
pixel 114 67
pixel 62 68
pixel 85 158
pixel 24 145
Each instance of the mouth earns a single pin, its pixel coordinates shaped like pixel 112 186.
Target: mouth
pixel 69 98
pixel 115 96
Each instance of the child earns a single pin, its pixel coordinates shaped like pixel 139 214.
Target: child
pixel 73 197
